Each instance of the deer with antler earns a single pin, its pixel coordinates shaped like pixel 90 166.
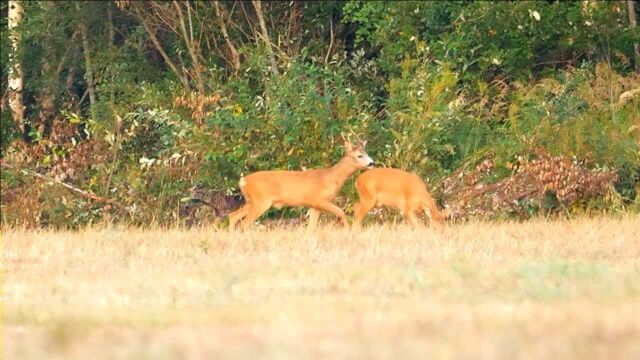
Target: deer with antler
pixel 315 189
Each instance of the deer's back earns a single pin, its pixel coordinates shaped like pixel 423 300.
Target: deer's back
pixel 391 186
pixel 283 187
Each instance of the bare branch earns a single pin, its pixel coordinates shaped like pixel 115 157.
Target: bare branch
pixel 249 22
pixel 257 4
pixel 326 57
pixel 235 58
pixel 190 23
pixel 63 61
pixel 190 48
pixel 167 59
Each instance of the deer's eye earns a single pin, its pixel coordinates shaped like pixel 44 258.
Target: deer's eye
pixel 360 156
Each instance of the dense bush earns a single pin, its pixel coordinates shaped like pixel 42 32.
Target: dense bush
pixel 433 86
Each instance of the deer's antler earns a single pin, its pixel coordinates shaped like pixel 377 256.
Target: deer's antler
pixel 358 138
pixel 346 139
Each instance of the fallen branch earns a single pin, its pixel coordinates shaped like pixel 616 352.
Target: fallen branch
pixel 84 193
pixel 475 191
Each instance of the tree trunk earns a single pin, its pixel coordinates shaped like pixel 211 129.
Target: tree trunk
pixel 235 58
pixel 47 92
pixel 112 46
pixel 191 47
pixel 88 74
pixel 16 80
pixel 165 57
pixel 633 24
pixel 112 33
pixel 154 39
pixel 257 4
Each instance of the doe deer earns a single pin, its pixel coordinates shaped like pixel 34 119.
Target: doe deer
pixel 315 189
pixel 399 189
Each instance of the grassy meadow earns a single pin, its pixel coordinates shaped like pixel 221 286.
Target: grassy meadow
pixel 542 289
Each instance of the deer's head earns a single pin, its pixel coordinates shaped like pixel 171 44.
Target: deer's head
pixel 357 156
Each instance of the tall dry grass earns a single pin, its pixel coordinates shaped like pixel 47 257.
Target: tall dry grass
pixel 541 289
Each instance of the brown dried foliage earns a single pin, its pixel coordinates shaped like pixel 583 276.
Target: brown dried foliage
pixel 197 104
pixel 69 166
pixel 56 157
pixel 470 195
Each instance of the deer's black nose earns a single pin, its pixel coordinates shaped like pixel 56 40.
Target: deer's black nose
pixel 371 165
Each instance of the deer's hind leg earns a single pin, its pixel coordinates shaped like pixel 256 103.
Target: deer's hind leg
pixel 361 209
pixel 238 215
pixel 365 203
pixel 254 212
pixel 336 211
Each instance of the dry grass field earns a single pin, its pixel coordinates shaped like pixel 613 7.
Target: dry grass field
pixel 541 289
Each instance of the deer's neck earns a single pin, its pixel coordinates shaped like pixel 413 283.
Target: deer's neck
pixel 340 172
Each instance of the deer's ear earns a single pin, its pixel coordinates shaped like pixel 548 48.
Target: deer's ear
pixel 348 147
pixel 363 143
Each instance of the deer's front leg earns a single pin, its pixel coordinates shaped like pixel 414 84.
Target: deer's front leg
pixel 361 209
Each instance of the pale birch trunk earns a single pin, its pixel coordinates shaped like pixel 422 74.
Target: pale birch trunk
pixel 257 4
pixel 16 80
pixel 633 23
